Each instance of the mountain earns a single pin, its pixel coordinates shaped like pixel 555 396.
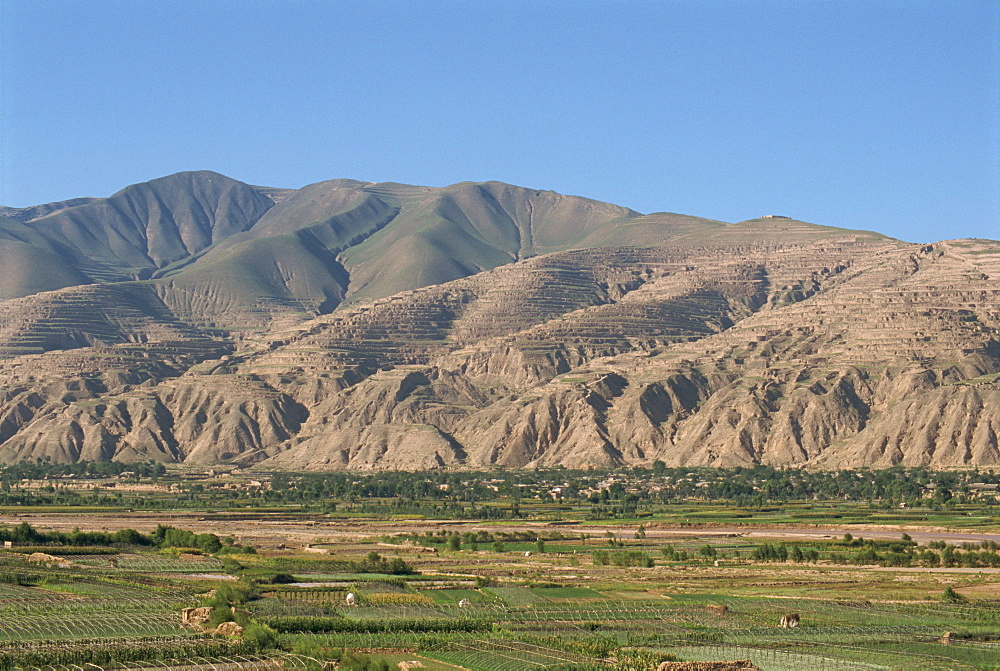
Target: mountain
pixel 127 236
pixel 353 325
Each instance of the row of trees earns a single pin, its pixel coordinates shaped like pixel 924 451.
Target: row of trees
pixel 163 537
pixel 498 494
pixel 43 469
pixel 635 486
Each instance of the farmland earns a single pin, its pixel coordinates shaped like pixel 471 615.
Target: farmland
pixel 80 586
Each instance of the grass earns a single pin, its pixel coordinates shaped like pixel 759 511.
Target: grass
pixel 517 596
pixel 453 596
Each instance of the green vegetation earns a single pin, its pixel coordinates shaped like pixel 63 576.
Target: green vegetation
pixel 523 588
pixel 758 495
pixel 82 542
pixel 625 602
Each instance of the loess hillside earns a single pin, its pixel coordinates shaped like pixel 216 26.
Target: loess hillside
pixel 352 325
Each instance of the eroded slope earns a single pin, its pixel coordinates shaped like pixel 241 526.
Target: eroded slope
pixel 372 326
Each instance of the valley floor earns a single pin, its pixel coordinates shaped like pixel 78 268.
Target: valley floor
pixel 512 595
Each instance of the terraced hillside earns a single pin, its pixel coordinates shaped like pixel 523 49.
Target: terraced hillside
pixel 370 326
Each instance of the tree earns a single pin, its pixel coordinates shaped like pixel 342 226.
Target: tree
pixel 399 567
pixel 207 543
pixel 24 533
pixel 454 542
pixel 948 558
pixel 130 536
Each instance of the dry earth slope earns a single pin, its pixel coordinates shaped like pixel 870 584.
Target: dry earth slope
pixel 350 325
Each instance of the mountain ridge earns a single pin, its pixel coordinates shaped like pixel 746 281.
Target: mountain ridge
pixel 361 325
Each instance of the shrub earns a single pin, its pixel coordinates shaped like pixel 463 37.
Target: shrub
pixel 626 558
pixel 375 563
pixel 231 566
pixel 951 596
pixel 275 579
pixel 237 549
pixel 260 636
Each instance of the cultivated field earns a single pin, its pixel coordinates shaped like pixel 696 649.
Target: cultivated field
pixel 488 596
pixel 545 569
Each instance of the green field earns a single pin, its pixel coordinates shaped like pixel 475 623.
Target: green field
pixel 553 610
pixel 886 570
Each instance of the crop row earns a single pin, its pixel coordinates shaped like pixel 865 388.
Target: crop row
pixel 121 651
pixel 509 655
pixel 59 606
pixel 307 624
pixel 96 625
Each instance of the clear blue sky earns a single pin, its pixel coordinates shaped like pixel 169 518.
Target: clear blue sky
pixel 864 114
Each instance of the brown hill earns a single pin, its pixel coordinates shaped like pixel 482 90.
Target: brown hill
pixel 356 325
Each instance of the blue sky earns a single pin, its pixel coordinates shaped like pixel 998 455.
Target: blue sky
pixel 872 114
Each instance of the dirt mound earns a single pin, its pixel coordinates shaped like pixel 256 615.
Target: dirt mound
pixel 229 629
pixel 195 618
